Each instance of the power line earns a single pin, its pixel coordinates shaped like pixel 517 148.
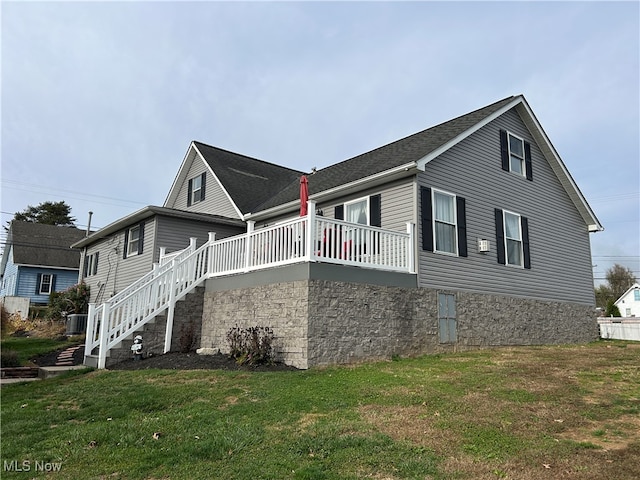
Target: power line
pixel 29 186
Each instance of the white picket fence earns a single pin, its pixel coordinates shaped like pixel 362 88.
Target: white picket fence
pixel 305 239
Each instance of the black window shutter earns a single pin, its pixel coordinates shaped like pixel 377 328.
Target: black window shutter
pixel 95 263
pixel 203 185
pixel 504 150
pixel 527 161
pixel 85 269
pixel 189 192
pixel 126 243
pixel 462 226
pixel 524 224
pixel 375 215
pixel 38 283
pixel 140 238
pixel 53 283
pixel 339 212
pixel 426 216
pixel 500 236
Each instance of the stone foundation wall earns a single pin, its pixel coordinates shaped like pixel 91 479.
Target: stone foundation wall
pixel 280 306
pixel 323 322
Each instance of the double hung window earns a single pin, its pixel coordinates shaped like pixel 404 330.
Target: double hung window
pixel 445 225
pixel 516 154
pixel 134 240
pixel 45 286
pixel 512 239
pixel 443 220
pixel 196 189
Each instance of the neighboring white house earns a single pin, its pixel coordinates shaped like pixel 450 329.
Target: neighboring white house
pixel 629 302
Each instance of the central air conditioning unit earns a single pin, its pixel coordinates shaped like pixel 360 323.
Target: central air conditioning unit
pixel 483 245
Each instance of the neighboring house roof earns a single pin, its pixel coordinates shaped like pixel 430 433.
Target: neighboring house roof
pixel 150 211
pixel 36 244
pixel 633 287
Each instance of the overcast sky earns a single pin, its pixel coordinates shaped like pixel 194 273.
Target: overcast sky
pixel 101 100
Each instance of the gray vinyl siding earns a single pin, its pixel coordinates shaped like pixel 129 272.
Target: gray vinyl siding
pixel 559 240
pixel 216 201
pixel 396 199
pixel 114 272
pixel 174 233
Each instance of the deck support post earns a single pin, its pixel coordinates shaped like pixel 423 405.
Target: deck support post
pixel 104 330
pixel 411 263
pixel 172 308
pixel 248 253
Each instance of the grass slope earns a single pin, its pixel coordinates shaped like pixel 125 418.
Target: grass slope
pixel 569 412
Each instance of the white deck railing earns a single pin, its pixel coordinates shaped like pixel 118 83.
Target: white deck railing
pixel 304 239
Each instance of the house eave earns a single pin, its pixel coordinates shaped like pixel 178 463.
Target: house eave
pixel 401 171
pixel 48 267
pixel 148 212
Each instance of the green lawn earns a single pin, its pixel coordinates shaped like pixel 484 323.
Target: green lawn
pixel 570 412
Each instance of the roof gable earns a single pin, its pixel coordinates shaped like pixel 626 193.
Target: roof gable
pixel 246 181
pixel 415 151
pixel 44 245
pixel 619 301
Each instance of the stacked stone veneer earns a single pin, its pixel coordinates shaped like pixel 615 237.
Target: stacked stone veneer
pixel 321 322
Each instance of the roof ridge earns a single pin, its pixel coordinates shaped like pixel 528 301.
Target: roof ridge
pixel 245 156
pixel 418 133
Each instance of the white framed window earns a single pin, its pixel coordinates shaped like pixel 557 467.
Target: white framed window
pixel 357 211
pixel 444 222
pixel 516 154
pixel 196 192
pixel 46 284
pixel 513 239
pixel 133 241
pixel 636 295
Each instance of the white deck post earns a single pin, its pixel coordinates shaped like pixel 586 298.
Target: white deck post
pixel 90 335
pixel 411 263
pixel 248 253
pixel 212 239
pixel 172 308
pixel 104 330
pixel 163 253
pixel 310 238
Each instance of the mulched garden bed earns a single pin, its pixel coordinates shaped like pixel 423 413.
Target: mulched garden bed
pixel 170 361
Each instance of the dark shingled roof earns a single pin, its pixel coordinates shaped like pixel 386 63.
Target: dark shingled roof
pixel 400 152
pixel 44 245
pixel 248 181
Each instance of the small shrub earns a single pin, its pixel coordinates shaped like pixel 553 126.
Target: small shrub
pixel 251 346
pixel 188 338
pixel 612 310
pixel 74 299
pixel 9 359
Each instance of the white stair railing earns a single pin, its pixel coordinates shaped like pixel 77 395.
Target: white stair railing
pixel 304 239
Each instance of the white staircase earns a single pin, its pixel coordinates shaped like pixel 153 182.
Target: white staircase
pixel 304 239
